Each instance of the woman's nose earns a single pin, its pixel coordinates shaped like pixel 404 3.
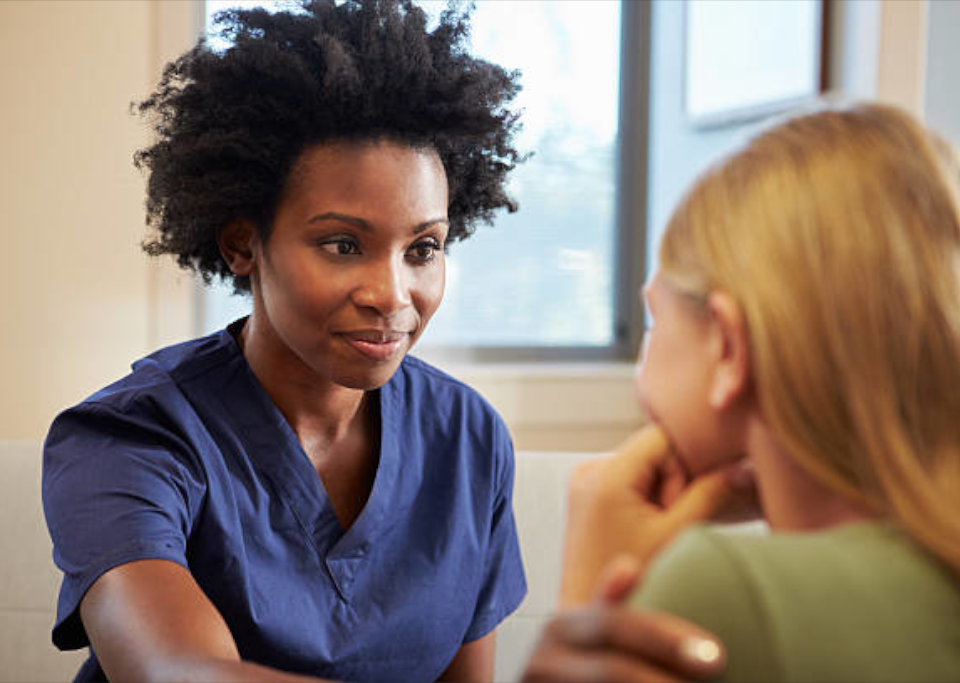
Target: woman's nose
pixel 384 287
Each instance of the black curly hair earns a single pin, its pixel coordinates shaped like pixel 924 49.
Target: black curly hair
pixel 231 124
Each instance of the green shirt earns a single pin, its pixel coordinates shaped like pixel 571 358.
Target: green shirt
pixel 855 603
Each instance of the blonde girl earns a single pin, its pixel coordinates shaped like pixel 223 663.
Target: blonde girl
pixel 806 313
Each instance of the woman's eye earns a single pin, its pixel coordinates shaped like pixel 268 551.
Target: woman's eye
pixel 425 251
pixel 340 246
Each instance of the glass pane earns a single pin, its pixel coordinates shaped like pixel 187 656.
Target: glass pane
pixel 545 275
pixel 211 7
pixel 773 48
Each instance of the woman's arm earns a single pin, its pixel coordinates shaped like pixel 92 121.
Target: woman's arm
pixel 603 643
pixel 150 621
pixel 473 663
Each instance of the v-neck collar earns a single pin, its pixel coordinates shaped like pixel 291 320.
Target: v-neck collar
pixel 275 450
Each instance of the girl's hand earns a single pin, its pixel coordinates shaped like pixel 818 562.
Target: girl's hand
pixel 632 503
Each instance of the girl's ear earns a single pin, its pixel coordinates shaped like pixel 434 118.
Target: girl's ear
pixel 731 374
pixel 238 244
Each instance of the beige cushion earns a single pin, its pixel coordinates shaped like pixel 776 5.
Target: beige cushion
pixel 540 507
pixel 28 591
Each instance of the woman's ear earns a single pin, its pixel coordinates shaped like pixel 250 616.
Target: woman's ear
pixel 731 376
pixel 238 244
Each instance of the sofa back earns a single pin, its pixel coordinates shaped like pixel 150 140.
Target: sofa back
pixel 539 504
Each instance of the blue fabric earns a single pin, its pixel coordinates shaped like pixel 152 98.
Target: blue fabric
pixel 187 459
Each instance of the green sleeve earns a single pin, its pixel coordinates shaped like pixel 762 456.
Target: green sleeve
pixel 699 578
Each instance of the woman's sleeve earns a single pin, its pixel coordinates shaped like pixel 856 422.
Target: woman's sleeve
pixel 504 584
pixel 117 487
pixel 700 579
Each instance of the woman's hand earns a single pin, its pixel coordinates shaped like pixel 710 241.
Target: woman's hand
pixel 633 502
pixel 611 643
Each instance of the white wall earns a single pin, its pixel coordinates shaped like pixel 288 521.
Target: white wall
pixel 74 286
pixel 79 298
pixel 902 51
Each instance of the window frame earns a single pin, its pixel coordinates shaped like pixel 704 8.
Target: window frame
pixel 630 259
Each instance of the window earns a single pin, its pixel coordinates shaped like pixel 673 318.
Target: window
pixel 556 280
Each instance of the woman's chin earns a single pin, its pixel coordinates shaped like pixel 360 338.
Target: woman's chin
pixel 369 378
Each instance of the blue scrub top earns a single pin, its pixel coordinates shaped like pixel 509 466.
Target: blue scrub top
pixel 187 459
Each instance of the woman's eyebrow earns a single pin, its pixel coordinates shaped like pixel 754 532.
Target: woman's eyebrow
pixel 345 218
pixel 429 224
pixel 367 227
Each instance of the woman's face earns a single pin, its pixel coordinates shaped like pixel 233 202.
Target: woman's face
pixel 674 376
pixel 354 266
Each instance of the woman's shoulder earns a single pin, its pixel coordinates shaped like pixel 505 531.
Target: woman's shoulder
pixel 151 394
pixel 174 364
pixel 450 416
pixel 417 378
pixel 417 369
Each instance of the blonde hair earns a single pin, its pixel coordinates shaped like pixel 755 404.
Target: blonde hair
pixel 838 232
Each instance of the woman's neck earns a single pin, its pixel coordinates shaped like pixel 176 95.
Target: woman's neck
pixel 792 499
pixel 313 406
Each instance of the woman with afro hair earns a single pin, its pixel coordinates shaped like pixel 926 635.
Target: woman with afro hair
pixel 294 494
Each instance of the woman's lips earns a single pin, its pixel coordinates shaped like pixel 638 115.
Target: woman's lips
pixel 376 345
